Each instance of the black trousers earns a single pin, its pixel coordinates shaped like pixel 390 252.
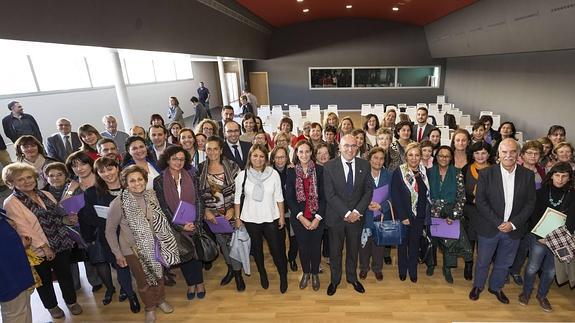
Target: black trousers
pixel 61 266
pixel 350 234
pixel 272 234
pixel 193 272
pixel 408 252
pixel 293 244
pixel 309 243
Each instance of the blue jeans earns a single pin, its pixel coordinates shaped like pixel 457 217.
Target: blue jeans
pixel 540 258
pixel 504 248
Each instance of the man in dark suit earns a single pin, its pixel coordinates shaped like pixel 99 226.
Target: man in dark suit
pixel 63 143
pixel 159 137
pixel 505 199
pixel 234 149
pixel 227 115
pixel 421 128
pixel 348 191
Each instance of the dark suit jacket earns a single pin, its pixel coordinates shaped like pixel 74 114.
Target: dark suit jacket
pixel 291 196
pixel 339 202
pixel 152 152
pixel 244 146
pixel 426 131
pixel 490 201
pixel 221 129
pixel 401 199
pixel 55 146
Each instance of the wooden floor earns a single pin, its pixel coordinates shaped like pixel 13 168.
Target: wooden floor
pixel 431 299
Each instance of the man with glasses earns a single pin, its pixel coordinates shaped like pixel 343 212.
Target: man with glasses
pixel 234 149
pixel 348 189
pixel 18 123
pixel 63 143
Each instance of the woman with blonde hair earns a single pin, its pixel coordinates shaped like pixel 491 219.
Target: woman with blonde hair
pixel 208 127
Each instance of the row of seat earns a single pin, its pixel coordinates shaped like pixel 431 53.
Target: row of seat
pixel 272 116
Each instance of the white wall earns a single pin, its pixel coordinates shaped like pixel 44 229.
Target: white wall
pixel 534 90
pixel 89 106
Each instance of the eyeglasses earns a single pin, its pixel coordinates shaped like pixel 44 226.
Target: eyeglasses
pixel 177 159
pixel 531 153
pixel 349 146
pixel 232 131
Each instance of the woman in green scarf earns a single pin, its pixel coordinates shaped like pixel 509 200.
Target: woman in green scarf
pixel 447 192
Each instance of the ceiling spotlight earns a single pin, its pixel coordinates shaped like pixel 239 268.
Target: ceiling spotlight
pixel 348 6
pixel 299 0
pixel 305 10
pixel 395 9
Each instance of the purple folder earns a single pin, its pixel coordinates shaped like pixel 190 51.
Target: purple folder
pixel 158 254
pixel 186 213
pixel 440 229
pixel 74 234
pixel 222 226
pixel 380 195
pixel 73 204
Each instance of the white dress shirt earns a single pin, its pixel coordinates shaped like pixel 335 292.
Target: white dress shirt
pixel 345 172
pixel 508 179
pixel 239 148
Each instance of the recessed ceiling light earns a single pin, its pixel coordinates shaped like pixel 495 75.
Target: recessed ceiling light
pixel 348 6
pixel 395 9
pixel 299 0
pixel 305 10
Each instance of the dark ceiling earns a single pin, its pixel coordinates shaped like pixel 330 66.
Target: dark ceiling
pixel 279 13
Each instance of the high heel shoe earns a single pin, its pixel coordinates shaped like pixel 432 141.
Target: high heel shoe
pixel 108 296
pixel 134 303
pixel 264 280
pixel 240 284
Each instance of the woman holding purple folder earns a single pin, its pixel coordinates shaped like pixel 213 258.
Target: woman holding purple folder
pixel 178 182
pixel 447 192
pixel 217 189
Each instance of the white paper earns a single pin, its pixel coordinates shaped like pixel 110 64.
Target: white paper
pixel 102 211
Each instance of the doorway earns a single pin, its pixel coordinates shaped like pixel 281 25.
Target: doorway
pixel 259 87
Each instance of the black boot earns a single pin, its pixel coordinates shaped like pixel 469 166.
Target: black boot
pixel 264 279
pixel 240 285
pixel 283 283
pixel 134 303
pixel 468 270
pixel 228 277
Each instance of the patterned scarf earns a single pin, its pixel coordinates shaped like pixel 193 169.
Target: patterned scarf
pixel 312 196
pixel 50 219
pixel 411 182
pixel 145 232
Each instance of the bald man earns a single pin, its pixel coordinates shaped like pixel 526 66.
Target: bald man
pixel 64 142
pixel 348 190
pixel 505 199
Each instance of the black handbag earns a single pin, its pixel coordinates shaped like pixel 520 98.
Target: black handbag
pixel 389 232
pixel 206 248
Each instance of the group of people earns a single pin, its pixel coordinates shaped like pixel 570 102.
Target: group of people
pixel 308 195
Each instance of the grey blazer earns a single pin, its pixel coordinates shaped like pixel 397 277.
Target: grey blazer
pixel 339 202
pixel 55 146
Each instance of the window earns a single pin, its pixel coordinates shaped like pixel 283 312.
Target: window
pixel 27 67
pixel 374 77
pixel 58 70
pixel 321 78
pixel 16 75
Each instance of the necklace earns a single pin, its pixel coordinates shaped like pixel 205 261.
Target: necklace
pixel 553 203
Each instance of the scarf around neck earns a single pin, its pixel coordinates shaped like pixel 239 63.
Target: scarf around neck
pixel 312 196
pixel 147 232
pixel 187 188
pixel 411 183
pixel 50 219
pixel 258 179
pixel 445 190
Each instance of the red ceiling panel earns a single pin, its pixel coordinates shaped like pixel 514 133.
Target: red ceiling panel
pixel 279 13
